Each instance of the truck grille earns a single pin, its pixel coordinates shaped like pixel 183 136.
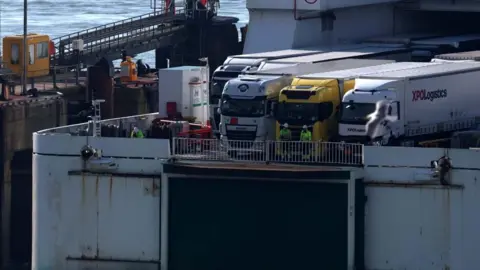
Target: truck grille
pixel 243 136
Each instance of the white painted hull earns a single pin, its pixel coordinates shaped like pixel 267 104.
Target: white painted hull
pixel 406 226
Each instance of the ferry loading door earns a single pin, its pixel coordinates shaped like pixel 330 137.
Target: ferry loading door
pixel 221 223
pixel 21 207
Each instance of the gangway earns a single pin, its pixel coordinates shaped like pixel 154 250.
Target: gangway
pixel 138 34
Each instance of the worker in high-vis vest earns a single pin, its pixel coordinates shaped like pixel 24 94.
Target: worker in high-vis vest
pixel 305 135
pixel 305 138
pixel 136 133
pixel 285 135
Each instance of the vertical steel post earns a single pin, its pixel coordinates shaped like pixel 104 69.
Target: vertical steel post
pixel 77 69
pixel 25 47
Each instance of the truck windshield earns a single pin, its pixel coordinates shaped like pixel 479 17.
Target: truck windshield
pixel 356 113
pixel 303 113
pixel 243 107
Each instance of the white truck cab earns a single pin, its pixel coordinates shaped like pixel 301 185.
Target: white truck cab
pixel 361 101
pixel 246 107
pixel 236 65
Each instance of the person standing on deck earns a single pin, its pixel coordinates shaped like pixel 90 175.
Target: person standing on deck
pixel 305 138
pixel 285 135
pixel 305 135
pixel 136 133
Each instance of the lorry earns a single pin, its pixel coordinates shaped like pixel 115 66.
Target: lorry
pixel 250 63
pixel 240 64
pixel 235 65
pixel 420 104
pixel 248 102
pixel 314 99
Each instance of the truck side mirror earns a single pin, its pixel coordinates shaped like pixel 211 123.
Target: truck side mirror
pixel 219 111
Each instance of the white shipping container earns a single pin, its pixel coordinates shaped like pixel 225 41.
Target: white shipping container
pixel 187 86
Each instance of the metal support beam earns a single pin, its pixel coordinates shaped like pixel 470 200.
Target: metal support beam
pixel 25 47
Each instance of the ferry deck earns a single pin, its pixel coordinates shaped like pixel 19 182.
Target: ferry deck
pixel 145 204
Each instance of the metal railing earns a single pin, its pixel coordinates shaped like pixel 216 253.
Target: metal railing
pixel 327 153
pixel 112 37
pixel 118 26
pixel 121 40
pixel 118 34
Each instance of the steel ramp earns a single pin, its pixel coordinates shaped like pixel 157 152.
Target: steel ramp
pixel 140 33
pixel 99 32
pixel 134 42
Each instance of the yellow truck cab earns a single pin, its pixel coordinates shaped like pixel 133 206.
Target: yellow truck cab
pixel 311 102
pixel 314 99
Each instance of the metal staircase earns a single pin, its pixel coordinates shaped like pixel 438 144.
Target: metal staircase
pixel 97 117
pixel 135 35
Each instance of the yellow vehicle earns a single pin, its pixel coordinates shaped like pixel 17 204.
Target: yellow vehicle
pixel 312 102
pixel 38 63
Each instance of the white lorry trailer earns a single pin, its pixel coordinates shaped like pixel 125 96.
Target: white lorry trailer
pixel 470 56
pixel 242 64
pixel 237 64
pixel 426 103
pixel 247 103
pixel 425 46
pixel 360 51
